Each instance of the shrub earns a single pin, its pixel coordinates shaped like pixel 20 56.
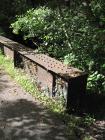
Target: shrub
pixel 96 82
pixel 67 35
pixel 44 27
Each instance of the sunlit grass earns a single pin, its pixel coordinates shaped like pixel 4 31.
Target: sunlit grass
pixel 28 84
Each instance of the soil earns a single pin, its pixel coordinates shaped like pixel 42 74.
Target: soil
pixel 24 118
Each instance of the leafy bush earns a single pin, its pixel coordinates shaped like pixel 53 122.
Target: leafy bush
pixel 96 82
pixel 33 23
pixel 88 120
pixel 67 35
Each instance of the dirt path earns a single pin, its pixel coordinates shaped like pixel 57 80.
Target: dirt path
pixel 23 118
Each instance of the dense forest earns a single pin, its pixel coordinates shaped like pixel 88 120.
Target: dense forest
pixel 72 31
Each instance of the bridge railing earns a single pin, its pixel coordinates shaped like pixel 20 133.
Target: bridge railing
pixel 53 78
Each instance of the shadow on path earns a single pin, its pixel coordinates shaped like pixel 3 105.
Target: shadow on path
pixel 25 120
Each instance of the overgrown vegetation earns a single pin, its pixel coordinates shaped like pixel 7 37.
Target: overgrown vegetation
pixel 71 31
pixel 68 35
pixel 28 84
pixel 72 122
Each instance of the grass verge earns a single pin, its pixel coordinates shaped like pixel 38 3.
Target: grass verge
pixel 28 85
pixel 23 79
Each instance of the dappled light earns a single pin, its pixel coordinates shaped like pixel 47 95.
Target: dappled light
pixel 52 69
pixel 21 117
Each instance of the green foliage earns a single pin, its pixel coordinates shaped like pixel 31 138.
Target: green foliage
pixel 29 85
pixel 98 7
pixel 96 82
pixel 33 23
pixel 8 10
pixel 21 78
pixel 88 120
pixel 44 25
pixel 67 35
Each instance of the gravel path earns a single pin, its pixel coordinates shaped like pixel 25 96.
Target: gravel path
pixel 23 118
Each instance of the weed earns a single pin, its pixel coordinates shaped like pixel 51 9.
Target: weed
pixel 27 83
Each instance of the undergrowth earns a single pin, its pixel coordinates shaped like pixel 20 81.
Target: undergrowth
pixel 72 122
pixel 27 83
